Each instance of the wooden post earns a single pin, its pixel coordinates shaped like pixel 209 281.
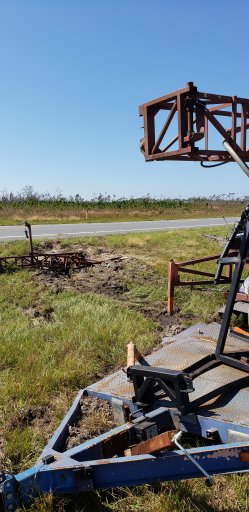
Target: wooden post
pixel 130 354
pixel 133 354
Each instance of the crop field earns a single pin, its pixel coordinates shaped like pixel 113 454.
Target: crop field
pixel 61 333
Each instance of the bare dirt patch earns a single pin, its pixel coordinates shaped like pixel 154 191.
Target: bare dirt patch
pixel 117 279
pixel 108 278
pixel 30 416
pixel 97 418
pixel 221 240
pixel 38 316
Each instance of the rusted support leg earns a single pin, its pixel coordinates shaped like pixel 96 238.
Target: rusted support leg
pixel 229 271
pixel 172 278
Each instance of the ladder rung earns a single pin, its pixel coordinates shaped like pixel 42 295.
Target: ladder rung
pixel 228 261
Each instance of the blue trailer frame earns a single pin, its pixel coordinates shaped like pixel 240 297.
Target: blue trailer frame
pixel 87 466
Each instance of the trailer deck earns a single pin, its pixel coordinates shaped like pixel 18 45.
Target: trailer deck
pixel 183 350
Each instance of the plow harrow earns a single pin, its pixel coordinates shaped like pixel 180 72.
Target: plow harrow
pixel 62 262
pixel 56 262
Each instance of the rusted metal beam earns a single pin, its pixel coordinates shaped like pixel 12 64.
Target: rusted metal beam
pixel 152 445
pixel 164 128
pixel 175 268
pixel 173 279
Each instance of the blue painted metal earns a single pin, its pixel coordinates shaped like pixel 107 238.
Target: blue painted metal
pixel 8 493
pixel 199 425
pixel 121 471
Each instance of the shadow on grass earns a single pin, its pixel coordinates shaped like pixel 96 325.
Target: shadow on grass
pixel 87 502
pixel 169 497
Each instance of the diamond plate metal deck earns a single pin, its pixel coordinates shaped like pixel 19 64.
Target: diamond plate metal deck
pixel 182 350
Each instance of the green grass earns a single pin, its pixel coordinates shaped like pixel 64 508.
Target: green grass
pixel 43 363
pixel 87 336
pixel 228 494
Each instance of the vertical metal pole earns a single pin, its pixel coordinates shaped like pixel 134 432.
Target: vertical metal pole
pixel 149 130
pixel 206 133
pixel 234 120
pixel 180 121
pixel 28 225
pixel 243 127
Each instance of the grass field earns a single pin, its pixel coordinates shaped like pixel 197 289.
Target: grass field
pixel 61 334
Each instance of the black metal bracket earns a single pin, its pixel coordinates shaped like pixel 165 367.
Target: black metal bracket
pixel 152 383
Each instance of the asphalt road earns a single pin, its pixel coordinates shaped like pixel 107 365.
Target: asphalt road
pixel 72 230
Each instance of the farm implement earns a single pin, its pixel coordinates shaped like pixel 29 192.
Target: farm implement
pixel 61 262
pixel 196 383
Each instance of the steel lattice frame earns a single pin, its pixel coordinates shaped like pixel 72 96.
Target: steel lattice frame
pixel 190 114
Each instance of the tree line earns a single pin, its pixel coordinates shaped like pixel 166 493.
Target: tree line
pixel 29 197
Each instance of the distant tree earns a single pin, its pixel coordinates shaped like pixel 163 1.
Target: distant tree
pixel 29 193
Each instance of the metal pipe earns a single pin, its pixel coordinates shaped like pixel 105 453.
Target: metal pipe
pixel 175 440
pixel 236 157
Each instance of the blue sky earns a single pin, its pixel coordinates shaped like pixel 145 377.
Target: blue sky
pixel 73 73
